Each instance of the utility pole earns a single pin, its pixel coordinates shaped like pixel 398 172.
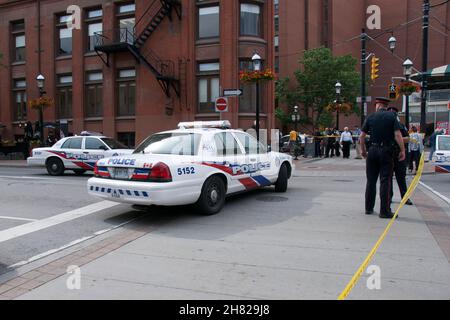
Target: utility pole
pixel 425 27
pixel 363 74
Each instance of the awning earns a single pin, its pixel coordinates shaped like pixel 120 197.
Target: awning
pixel 438 78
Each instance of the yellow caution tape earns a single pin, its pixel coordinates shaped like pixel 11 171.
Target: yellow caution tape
pixel 372 253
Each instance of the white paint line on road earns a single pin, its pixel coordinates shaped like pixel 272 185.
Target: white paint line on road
pixel 447 200
pixel 19 231
pixel 27 178
pixel 18 219
pixel 71 244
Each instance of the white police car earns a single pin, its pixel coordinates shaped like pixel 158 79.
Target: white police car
pixel 78 153
pixel 199 163
pixel 442 154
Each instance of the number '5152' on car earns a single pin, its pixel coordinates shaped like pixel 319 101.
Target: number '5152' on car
pixel 200 163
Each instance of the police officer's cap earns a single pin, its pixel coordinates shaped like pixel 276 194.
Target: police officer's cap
pixel 393 109
pixel 382 100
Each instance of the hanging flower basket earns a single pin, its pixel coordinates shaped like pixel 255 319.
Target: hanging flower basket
pixel 42 102
pixel 255 76
pixel 408 88
pixel 341 107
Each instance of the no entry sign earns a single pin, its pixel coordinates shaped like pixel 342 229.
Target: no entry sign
pixel 221 104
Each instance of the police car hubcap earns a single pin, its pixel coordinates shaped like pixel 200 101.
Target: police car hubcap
pixel 54 166
pixel 214 196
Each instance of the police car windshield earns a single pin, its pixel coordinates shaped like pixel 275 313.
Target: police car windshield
pixel 444 143
pixel 185 144
pixel 113 144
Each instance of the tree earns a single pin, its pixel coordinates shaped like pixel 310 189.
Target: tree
pixel 316 79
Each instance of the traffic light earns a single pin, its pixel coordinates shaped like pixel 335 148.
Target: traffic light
pixel 394 93
pixel 375 64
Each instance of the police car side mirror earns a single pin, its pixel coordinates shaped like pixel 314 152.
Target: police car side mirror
pixel 103 148
pixel 269 149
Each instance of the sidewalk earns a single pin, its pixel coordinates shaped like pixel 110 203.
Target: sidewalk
pixel 305 244
pixel 13 163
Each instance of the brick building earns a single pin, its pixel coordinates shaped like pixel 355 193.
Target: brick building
pixel 337 24
pixel 132 68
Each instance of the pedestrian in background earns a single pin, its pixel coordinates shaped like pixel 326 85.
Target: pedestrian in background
pixel 317 144
pixel 384 130
pixel 331 142
pixel 356 134
pixel 337 144
pixel 346 142
pixel 415 149
pixel 433 140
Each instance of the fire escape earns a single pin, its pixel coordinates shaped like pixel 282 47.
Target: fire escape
pixel 128 39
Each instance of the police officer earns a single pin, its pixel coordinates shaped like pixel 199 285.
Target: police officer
pixel 400 167
pixel 384 130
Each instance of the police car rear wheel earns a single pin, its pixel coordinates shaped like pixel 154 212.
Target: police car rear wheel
pixel 55 167
pixel 282 183
pixel 212 198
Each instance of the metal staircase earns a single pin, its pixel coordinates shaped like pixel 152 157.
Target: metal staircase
pixel 123 39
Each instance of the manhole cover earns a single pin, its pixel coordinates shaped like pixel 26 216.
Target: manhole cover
pixel 271 199
pixel 312 167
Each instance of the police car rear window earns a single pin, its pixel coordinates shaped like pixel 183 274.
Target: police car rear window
pixel 73 143
pixel 185 144
pixel 444 143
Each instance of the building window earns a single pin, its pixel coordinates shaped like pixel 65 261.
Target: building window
pixel 127 22
pixel 126 92
pixel 19 100
pixel 94 26
pixel 127 138
pixel 276 42
pixel 208 22
pixel 18 35
pixel 208 86
pixel 94 92
pixel 64 97
pixel 247 102
pixel 250 20
pixel 64 34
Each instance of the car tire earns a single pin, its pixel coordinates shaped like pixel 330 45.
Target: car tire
pixel 55 167
pixel 282 183
pixel 79 172
pixel 212 198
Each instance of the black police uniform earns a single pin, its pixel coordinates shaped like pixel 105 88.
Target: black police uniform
pixel 380 160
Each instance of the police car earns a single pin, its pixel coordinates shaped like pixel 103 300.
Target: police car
pixel 78 153
pixel 200 163
pixel 442 155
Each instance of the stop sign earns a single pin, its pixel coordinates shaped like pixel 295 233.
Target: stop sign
pixel 221 104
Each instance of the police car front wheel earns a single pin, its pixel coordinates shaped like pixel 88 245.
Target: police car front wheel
pixel 282 183
pixel 212 198
pixel 55 167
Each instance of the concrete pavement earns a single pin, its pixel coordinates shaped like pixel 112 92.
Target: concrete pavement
pixel 305 244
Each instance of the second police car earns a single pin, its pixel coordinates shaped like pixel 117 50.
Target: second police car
pixel 197 164
pixel 78 153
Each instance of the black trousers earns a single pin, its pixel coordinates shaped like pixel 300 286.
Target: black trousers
pixel 400 175
pixel 346 148
pixel 414 158
pixel 330 147
pixel 317 150
pixel 380 163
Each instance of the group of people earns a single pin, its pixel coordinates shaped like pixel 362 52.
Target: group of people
pixel 330 142
pixel 390 150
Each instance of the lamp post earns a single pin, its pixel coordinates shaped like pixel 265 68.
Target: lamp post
pixel 40 80
pixel 256 59
pixel 295 118
pixel 407 72
pixel 338 87
pixel 364 57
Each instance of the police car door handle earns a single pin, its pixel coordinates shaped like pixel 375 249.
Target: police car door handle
pixel 86 152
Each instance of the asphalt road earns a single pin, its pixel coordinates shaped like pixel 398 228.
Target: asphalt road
pixel 438 182
pixel 46 206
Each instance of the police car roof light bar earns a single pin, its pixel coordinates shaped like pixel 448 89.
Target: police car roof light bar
pixel 224 124
pixel 90 134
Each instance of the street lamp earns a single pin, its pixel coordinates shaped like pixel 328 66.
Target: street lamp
pixel 364 58
pixel 392 43
pixel 407 72
pixel 338 87
pixel 295 117
pixel 40 81
pixel 257 62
